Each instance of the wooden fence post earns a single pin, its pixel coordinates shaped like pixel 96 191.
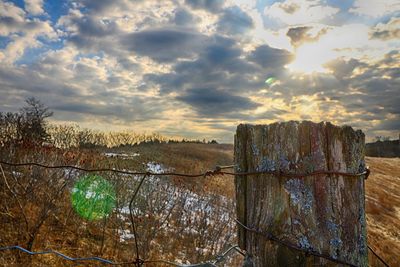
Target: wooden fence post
pixel 321 213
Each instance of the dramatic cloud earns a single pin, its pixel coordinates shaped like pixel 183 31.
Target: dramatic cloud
pixel 23 33
pixel 234 21
pixel 300 12
pixel 198 68
pixel 211 102
pixel 268 57
pixel 304 34
pixel 209 5
pixel 390 30
pixel 11 17
pixel 375 8
pixel 164 45
pixel 183 17
pixel 34 7
pixel 344 68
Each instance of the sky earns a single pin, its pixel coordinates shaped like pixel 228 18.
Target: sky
pixel 198 68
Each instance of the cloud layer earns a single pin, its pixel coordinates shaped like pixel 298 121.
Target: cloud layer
pixel 198 68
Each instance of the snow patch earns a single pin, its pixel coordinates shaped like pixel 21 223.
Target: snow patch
pixel 125 235
pixel 120 155
pixel 155 167
pixel 17 174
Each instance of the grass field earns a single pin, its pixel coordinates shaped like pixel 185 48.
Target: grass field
pixel 383 208
pixel 188 234
pixel 382 192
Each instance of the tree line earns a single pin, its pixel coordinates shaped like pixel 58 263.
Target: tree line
pixel 29 127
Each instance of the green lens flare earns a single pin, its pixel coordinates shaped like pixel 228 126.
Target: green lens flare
pixel 93 197
pixel 270 80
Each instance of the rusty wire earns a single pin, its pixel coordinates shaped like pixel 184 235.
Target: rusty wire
pixel 139 262
pixel 63 255
pixel 218 171
pixel 271 237
pixel 380 259
pixel 210 263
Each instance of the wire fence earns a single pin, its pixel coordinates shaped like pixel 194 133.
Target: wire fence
pixel 219 170
pixel 217 259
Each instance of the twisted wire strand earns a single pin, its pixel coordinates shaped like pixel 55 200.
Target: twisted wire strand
pixel 217 171
pixel 135 235
pixel 271 237
pixel 211 263
pixel 60 255
pixel 380 258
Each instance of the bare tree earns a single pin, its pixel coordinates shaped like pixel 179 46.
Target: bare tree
pixel 35 114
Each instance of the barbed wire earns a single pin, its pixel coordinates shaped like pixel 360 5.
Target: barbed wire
pixel 61 255
pixel 211 263
pixel 135 236
pixel 221 257
pixel 271 237
pixel 218 171
pixel 380 259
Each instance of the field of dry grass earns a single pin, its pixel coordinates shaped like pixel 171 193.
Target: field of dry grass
pixel 382 198
pixel 188 158
pixel 382 203
pixel 180 220
pixel 383 208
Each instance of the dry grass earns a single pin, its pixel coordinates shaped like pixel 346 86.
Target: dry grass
pixel 382 202
pixel 65 231
pixel 189 158
pixel 383 208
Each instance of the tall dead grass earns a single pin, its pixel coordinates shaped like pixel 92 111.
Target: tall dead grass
pixel 176 219
pixel 383 206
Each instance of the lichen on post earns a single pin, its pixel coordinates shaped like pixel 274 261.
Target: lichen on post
pixel 321 213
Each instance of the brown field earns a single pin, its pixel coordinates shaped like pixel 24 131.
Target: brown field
pixel 66 232
pixel 382 192
pixel 187 220
pixel 383 208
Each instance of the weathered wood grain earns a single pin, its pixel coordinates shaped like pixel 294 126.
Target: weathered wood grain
pixel 325 213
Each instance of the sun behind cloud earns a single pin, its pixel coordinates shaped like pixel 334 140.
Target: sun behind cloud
pixel 311 58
